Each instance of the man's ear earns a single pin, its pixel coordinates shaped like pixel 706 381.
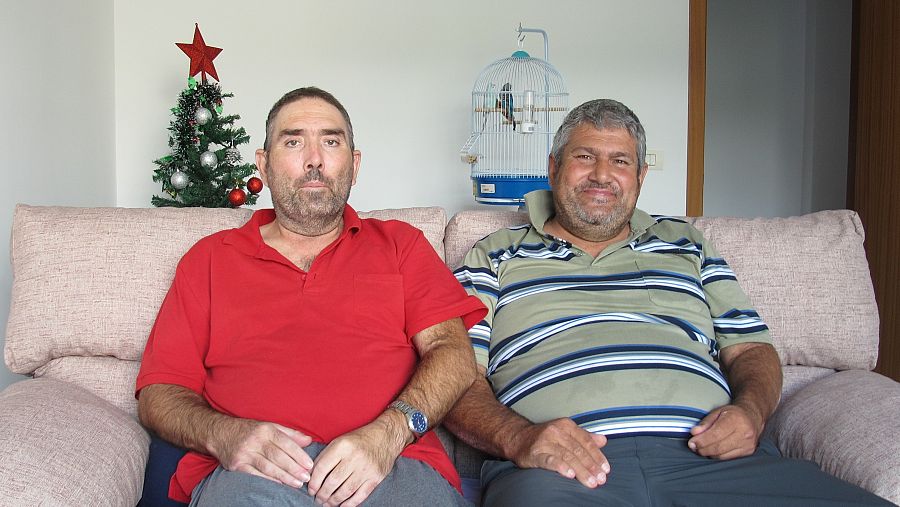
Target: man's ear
pixel 642 173
pixel 261 160
pixel 357 157
pixel 551 169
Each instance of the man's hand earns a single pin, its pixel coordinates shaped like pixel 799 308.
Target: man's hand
pixel 264 449
pixel 563 447
pixel 726 433
pixel 733 431
pixel 354 464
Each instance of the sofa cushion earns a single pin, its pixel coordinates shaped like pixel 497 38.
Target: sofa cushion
pixel 108 377
pixel 89 281
pixel 64 446
pixel 807 276
pixel 839 422
pixel 809 279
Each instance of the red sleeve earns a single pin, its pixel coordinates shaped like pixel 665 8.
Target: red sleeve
pixel 432 294
pixel 179 340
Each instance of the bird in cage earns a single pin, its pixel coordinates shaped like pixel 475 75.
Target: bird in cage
pixel 505 104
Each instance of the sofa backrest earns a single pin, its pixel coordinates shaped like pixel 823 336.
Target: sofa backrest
pixel 807 276
pixel 88 282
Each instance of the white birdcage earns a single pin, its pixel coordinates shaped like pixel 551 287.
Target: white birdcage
pixel 518 104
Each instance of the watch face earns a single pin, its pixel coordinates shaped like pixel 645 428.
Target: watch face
pixel 419 422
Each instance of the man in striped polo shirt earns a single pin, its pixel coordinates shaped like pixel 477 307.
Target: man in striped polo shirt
pixel 622 362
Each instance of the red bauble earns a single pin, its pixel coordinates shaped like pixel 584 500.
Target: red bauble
pixel 237 197
pixel 254 185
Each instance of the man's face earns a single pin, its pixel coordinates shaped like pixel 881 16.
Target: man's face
pixel 309 166
pixel 597 183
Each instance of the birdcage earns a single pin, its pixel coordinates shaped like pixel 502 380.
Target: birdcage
pixel 518 104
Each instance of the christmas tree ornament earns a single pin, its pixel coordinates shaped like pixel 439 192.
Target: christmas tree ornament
pixel 208 159
pixel 232 155
pixel 202 115
pixel 179 180
pixel 237 197
pixel 201 55
pixel 254 185
pixel 204 166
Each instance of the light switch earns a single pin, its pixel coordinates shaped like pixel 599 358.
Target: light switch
pixel 654 160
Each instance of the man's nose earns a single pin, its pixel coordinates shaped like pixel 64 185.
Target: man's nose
pixel 313 157
pixel 602 172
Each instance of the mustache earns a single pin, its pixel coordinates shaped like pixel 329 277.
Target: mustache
pixel 313 175
pixel 593 184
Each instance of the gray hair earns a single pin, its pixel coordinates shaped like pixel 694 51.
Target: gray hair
pixel 601 113
pixel 309 92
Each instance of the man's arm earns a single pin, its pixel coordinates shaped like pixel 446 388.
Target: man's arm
pixel 754 374
pixel 481 421
pixel 348 470
pixel 184 418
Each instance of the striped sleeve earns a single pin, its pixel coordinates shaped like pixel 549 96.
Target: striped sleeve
pixel 734 318
pixel 479 278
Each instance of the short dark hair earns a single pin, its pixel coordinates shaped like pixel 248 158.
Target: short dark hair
pixel 308 92
pixel 601 113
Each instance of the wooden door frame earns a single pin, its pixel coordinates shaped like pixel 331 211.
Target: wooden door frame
pixel 696 106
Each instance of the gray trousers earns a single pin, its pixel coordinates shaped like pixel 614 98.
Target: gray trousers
pixel 411 482
pixel 656 471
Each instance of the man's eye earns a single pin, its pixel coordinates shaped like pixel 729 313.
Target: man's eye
pixel 332 142
pixel 292 143
pixel 585 157
pixel 620 161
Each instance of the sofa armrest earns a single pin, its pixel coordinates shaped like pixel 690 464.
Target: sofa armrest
pixel 847 424
pixel 63 445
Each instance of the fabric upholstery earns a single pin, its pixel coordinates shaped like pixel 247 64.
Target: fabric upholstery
pixel 89 281
pixel 64 446
pixel 107 377
pixel 809 279
pixel 835 422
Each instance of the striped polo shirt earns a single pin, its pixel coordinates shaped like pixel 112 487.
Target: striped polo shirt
pixel 624 344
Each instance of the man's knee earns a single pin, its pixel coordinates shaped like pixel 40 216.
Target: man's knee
pixel 505 485
pixel 223 488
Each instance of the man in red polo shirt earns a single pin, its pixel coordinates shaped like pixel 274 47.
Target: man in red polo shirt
pixel 357 347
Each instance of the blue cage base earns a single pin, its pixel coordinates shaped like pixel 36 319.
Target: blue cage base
pixel 506 191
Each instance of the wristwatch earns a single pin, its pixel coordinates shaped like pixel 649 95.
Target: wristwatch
pixel 416 420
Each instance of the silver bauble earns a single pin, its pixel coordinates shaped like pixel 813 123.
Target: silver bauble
pixel 179 180
pixel 202 115
pixel 232 155
pixel 208 159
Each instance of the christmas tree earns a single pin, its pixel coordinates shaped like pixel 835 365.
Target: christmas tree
pixel 204 166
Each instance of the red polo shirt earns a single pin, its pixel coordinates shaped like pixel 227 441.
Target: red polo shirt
pixel 323 351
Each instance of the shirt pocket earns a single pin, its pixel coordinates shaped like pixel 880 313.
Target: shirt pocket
pixel 379 305
pixel 673 285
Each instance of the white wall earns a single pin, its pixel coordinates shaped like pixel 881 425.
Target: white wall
pixel 777 106
pixel 56 121
pixel 87 86
pixel 404 70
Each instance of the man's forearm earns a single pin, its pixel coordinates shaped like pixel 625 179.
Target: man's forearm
pixel 446 369
pixel 481 421
pixel 755 379
pixel 180 416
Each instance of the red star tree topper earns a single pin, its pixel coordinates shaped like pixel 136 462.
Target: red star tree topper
pixel 201 55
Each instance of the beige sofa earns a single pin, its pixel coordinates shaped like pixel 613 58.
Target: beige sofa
pixel 88 282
